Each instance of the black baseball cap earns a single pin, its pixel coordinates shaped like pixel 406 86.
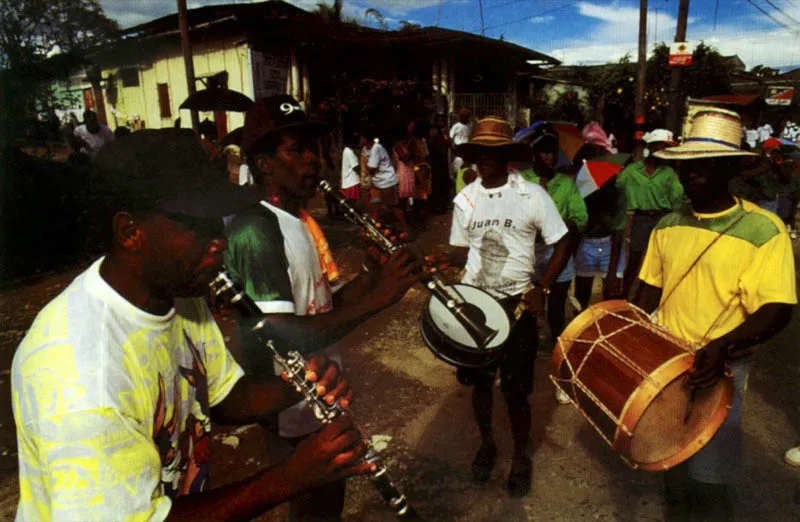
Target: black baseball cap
pixel 167 170
pixel 274 114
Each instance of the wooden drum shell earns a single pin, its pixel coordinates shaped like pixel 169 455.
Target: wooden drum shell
pixel 640 413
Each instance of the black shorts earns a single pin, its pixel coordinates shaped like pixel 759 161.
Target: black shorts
pixel 517 362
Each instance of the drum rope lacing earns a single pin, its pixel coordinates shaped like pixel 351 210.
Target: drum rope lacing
pixel 602 340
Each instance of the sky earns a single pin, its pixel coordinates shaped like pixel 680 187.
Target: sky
pixel 575 32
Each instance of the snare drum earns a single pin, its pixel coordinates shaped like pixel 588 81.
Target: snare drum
pixel 628 378
pixel 449 341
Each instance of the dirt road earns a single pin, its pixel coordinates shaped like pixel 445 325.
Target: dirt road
pixel 408 395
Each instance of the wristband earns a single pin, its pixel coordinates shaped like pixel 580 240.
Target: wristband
pixel 545 290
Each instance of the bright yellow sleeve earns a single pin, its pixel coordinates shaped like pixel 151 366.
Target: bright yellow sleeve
pixel 652 271
pixel 222 369
pixel 770 276
pixel 89 465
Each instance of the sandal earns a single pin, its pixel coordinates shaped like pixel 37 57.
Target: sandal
pixel 484 463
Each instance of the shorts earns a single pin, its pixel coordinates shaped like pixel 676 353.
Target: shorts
pixel 594 255
pixel 352 193
pixel 720 460
pixel 642 225
pixel 543 253
pixel 517 363
pixel 388 196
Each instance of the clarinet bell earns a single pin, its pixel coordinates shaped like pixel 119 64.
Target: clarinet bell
pixel 473 320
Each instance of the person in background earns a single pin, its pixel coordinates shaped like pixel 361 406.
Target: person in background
pixel 765 132
pixel 405 170
pixel 787 172
pixel 92 135
pixel 439 158
pixel 791 131
pixel 383 197
pixel 759 181
pixel 593 134
pixel 652 190
pixel 351 181
pixel 460 133
pixel 572 209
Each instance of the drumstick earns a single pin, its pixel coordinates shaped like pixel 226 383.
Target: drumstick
pixel 701 355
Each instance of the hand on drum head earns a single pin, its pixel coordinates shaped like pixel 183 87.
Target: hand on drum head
pixel 709 365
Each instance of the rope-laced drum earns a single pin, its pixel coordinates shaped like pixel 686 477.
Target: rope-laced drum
pixel 628 378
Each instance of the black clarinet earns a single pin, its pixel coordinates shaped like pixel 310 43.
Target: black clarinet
pixel 294 367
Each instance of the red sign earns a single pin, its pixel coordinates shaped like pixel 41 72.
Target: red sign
pixel 780 95
pixel 680 54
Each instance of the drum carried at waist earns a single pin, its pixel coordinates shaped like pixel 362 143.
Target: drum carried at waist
pixel 628 378
pixel 449 340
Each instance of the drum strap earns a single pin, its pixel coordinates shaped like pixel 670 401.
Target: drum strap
pixel 688 270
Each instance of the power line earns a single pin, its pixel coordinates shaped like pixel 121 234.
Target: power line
pixel 532 15
pixel 782 11
pixel 768 15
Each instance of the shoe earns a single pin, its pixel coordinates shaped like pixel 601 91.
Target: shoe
pixel 519 478
pixel 792 457
pixel 562 397
pixel 484 463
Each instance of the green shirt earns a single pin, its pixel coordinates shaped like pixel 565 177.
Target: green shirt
pixel 608 211
pixel 566 196
pixel 764 187
pixel 659 191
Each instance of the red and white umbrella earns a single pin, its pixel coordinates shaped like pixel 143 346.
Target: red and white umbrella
pixel 596 172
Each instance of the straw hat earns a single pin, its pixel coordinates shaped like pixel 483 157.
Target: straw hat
pixel 493 134
pixel 715 133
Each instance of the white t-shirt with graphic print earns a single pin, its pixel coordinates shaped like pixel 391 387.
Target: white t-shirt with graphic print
pixel 499 226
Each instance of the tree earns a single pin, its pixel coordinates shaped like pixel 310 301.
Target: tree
pixel 36 38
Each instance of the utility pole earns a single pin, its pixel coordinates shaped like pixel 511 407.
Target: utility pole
pixel 186 45
pixel 675 100
pixel 638 118
pixel 480 6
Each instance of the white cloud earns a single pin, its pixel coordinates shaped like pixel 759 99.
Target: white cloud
pixel 542 19
pixel 759 41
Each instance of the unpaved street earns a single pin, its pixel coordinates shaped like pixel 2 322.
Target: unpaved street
pixel 408 395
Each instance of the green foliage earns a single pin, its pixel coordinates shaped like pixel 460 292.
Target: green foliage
pixel 39 41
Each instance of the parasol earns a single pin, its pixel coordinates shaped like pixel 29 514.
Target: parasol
pixel 569 139
pixel 217 99
pixel 596 172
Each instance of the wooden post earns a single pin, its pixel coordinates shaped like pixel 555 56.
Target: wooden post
pixel 186 45
pixel 675 99
pixel 639 113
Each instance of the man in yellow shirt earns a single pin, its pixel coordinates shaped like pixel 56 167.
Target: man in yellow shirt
pixel 721 275
pixel 116 384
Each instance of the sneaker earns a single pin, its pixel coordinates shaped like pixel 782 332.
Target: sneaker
pixel 792 457
pixel 484 463
pixel 562 397
pixel 519 478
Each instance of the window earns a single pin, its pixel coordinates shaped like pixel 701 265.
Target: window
pixel 129 77
pixel 163 100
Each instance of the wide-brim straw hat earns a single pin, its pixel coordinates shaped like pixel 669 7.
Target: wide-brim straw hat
pixel 493 135
pixel 714 133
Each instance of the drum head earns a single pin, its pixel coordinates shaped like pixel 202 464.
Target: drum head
pixel 449 327
pixel 661 438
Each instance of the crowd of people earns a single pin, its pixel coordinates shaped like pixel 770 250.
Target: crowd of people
pixel 117 382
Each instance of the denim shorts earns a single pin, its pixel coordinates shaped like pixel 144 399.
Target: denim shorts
pixel 720 460
pixel 543 254
pixel 594 255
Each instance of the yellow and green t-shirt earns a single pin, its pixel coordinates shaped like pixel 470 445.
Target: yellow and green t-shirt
pixel 112 404
pixel 750 265
pixel 659 191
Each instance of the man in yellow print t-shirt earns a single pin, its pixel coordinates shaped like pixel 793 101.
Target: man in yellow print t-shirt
pixel 721 275
pixel 116 384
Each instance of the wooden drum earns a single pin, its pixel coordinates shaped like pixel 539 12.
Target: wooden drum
pixel 628 378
